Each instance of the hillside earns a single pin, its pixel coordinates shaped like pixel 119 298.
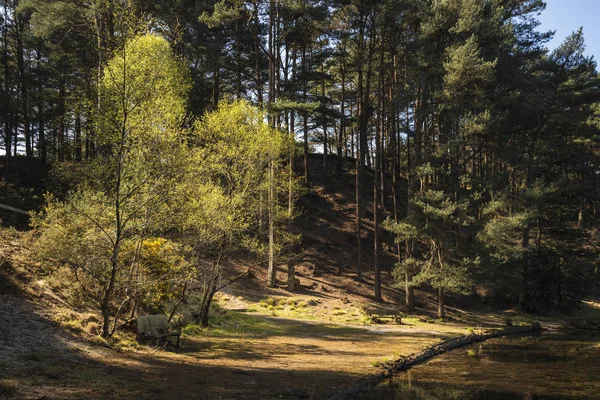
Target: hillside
pixel 270 342
pixel 327 261
pixel 42 335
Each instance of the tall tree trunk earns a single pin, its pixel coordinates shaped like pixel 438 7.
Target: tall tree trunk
pixel 19 27
pixel 441 312
pixel 324 109
pixel 292 128
pixel 271 273
pixel 360 148
pixel 8 101
pixel 78 141
pixel 342 135
pixel 60 137
pixel 257 69
pixel 376 241
pixel 305 116
pixel 42 148
pixel 216 86
pixel 376 180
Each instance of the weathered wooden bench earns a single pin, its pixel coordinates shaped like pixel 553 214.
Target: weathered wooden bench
pixel 155 327
pixel 380 315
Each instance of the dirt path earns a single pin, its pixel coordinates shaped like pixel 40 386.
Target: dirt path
pixel 297 359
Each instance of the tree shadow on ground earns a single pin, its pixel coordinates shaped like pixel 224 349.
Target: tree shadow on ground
pixel 40 360
pixel 167 377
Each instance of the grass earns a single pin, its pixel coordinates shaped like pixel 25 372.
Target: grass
pixel 312 309
pixel 233 324
pixel 8 387
pixel 79 323
pixel 124 341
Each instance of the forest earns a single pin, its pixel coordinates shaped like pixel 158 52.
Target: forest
pixel 457 102
pixel 155 142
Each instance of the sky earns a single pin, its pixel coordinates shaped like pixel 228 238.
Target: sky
pixel 566 16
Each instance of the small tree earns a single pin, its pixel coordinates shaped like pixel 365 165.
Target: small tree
pixel 100 229
pixel 435 226
pixel 407 266
pixel 237 158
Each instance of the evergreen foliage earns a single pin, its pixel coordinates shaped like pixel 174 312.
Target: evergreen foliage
pixel 179 121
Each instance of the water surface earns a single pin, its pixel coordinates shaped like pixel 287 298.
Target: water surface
pixel 546 366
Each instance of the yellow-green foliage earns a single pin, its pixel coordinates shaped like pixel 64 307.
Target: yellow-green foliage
pixel 109 238
pixel 144 89
pixel 75 235
pixel 228 175
pixel 163 272
pixel 100 230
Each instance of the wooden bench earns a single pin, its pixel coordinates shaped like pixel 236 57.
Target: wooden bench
pixel 155 327
pixel 379 315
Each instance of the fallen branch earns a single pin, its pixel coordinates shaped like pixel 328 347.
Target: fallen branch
pixel 406 363
pixel 13 209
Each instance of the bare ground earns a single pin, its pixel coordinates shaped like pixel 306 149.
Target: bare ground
pixel 299 359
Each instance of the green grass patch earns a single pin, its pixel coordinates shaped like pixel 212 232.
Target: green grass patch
pixel 311 309
pixel 235 324
pixel 124 341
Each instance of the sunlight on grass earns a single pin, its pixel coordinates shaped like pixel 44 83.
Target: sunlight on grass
pixel 233 324
pixel 309 309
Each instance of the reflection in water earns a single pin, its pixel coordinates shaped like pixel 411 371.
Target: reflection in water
pixel 548 366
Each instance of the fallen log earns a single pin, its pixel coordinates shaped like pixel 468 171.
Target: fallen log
pixel 406 363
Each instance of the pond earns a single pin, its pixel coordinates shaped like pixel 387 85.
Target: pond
pixel 544 366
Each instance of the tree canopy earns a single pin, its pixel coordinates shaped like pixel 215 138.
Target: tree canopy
pixel 474 142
